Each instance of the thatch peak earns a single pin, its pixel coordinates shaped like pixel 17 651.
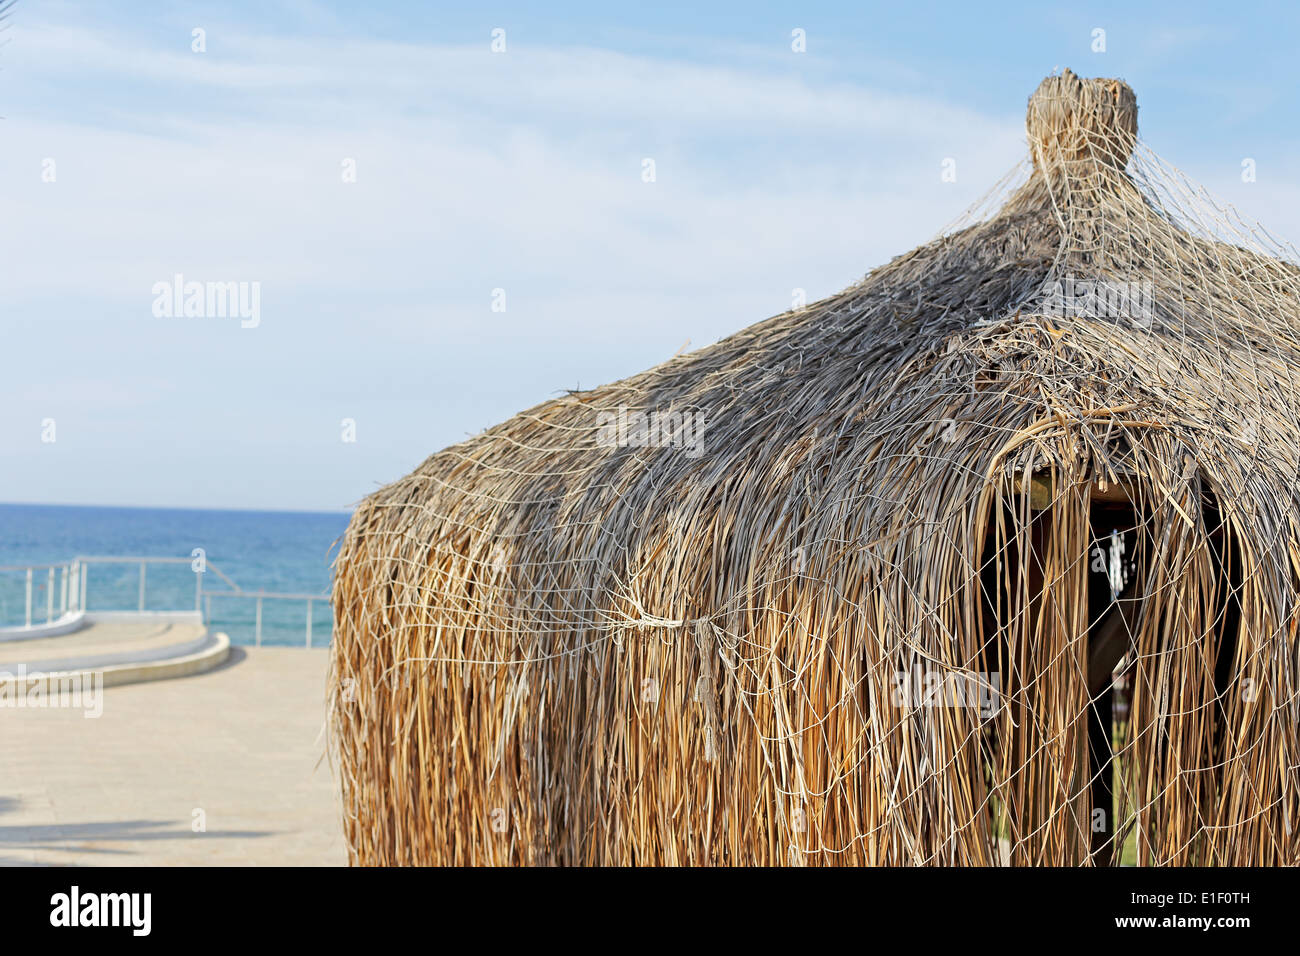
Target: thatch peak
pixel 1074 118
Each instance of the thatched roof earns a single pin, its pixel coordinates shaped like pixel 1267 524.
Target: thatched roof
pixel 677 643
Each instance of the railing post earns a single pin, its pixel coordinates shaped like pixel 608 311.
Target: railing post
pixel 258 634
pixel 49 597
pixel 198 590
pixel 309 622
pixel 29 597
pixel 83 575
pixel 63 592
pixel 142 567
pixel 207 616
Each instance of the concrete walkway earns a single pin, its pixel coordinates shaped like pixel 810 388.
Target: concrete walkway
pixel 240 743
pixel 127 637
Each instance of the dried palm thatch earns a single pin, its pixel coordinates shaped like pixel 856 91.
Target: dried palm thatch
pixel 861 583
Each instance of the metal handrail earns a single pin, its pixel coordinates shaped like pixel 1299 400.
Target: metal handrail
pixel 68 580
pixel 258 596
pixel 76 574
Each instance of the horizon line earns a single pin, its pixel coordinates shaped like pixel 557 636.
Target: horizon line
pixel 46 504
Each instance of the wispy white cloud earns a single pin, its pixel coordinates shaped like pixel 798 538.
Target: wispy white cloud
pixel 474 171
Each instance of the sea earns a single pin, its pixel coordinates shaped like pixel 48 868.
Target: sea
pixel 277 551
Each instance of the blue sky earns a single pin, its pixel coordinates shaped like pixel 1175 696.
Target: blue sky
pixel 521 171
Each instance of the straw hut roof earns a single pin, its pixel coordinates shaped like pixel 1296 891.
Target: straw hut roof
pixel 676 619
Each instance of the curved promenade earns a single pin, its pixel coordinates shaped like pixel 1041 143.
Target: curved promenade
pixel 222 767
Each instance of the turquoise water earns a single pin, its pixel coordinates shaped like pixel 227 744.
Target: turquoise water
pixel 268 550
